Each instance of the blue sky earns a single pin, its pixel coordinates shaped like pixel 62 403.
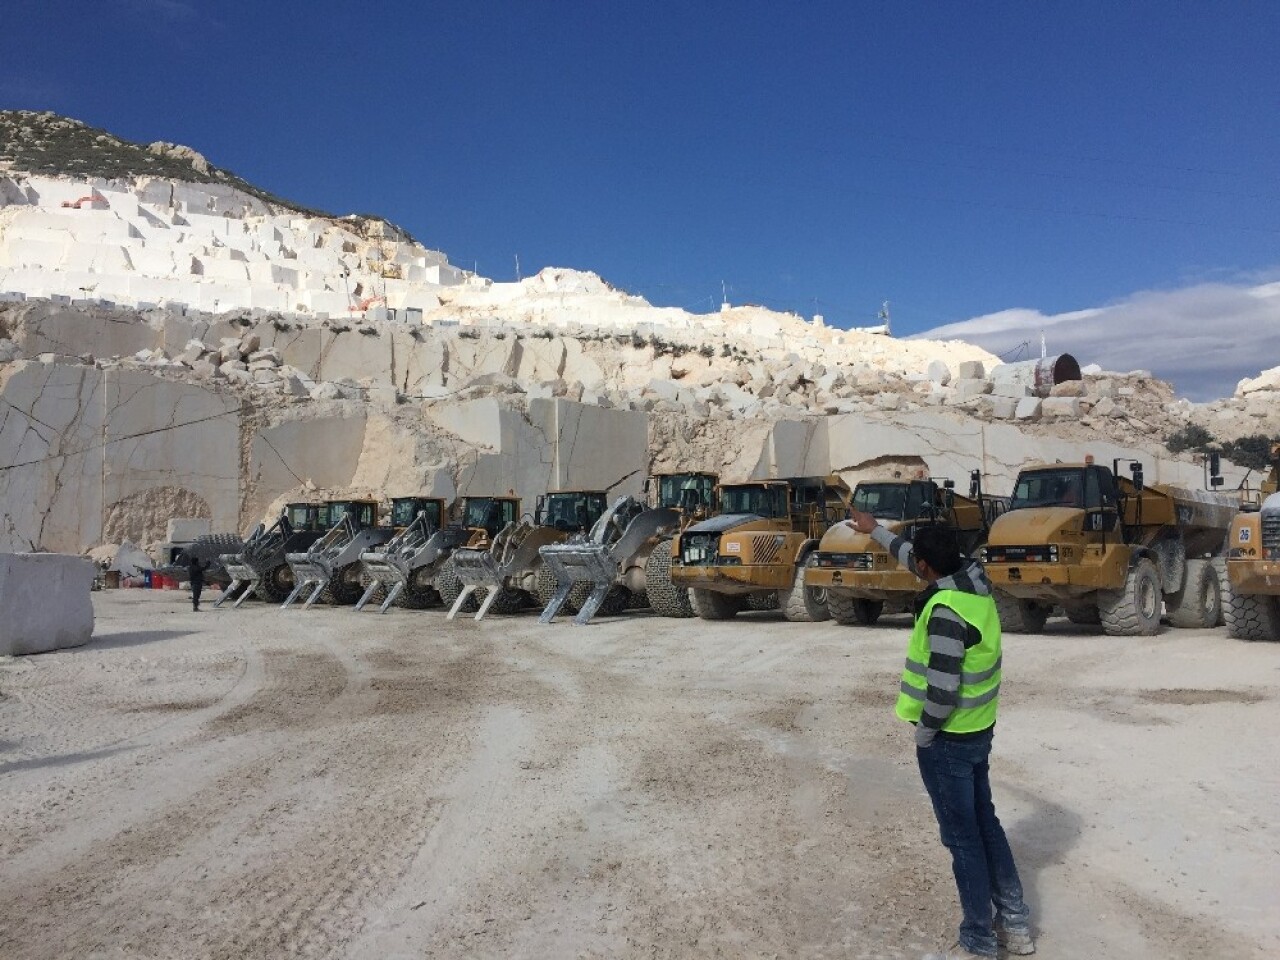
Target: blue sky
pixel 957 159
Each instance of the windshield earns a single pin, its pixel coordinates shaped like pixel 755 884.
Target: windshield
pixel 487 513
pixel 1049 488
pixel 300 515
pixel 765 501
pixel 571 511
pixel 886 501
pixel 404 510
pixel 687 492
pixel 361 513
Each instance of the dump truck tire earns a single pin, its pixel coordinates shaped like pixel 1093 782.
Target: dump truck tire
pixel 450 586
pixel 345 586
pixel 1254 618
pixel 276 586
pixel 1135 610
pixel 544 588
pixel 841 606
pixel 666 599
pixel 1199 603
pixel 1020 616
pixel 710 605
pixel 763 601
pixel 419 593
pixel 802 604
pixel 1085 614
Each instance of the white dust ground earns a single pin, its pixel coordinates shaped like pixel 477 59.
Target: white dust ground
pixel 258 784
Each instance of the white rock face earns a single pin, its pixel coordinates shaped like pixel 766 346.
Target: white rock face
pixel 1268 380
pixel 46 602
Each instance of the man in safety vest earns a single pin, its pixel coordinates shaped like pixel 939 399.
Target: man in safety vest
pixel 951 690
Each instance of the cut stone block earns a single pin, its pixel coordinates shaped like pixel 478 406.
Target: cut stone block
pixel 967 387
pixel 1060 407
pixel 971 370
pixel 1028 409
pixel 46 600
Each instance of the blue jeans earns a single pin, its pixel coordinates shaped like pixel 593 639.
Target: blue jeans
pixel 955 773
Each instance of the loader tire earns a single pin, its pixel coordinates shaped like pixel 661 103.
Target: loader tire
pixel 615 601
pixel 1021 616
pixel 666 599
pixel 419 592
pixel 1085 614
pixel 1253 617
pixel 1134 610
pixel 278 583
pixel 345 586
pixel 509 600
pixel 803 604
pixel 710 605
pixel 849 610
pixel 378 595
pixel 1198 605
pixel 544 588
pixel 450 586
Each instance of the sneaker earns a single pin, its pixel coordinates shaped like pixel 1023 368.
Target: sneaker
pixel 1016 942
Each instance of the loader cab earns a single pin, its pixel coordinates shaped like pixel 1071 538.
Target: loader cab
pixel 307 516
pixel 570 511
pixel 489 514
pixel 363 513
pixel 405 509
pixel 690 493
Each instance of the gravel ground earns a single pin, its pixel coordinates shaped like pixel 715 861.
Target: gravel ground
pixel 259 784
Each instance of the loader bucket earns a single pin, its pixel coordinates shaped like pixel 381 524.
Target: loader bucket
pixel 575 562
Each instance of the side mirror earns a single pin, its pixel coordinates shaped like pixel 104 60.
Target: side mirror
pixel 975 484
pixel 1215 464
pixel 1135 469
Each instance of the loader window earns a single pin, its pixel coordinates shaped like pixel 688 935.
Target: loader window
pixel 884 501
pixel 1048 488
pixel 764 501
pixel 300 515
pixel 486 513
pixel 572 511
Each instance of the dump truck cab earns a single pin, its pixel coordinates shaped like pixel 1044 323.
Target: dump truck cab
pixel 1251 603
pixel 1108 548
pixel 759 543
pixel 860 576
pixel 694 496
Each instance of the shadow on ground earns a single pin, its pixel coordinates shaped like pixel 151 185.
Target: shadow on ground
pixel 132 638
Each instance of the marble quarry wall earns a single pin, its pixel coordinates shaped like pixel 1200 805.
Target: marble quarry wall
pixel 92 455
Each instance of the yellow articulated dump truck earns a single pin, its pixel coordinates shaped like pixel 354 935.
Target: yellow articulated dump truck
pixel 758 545
pixel 1108 549
pixel 861 580
pixel 1251 605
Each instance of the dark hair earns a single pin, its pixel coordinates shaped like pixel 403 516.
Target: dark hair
pixel 938 547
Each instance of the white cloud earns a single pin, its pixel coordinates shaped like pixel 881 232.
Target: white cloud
pixel 1203 338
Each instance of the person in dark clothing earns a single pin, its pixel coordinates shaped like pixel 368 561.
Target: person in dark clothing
pixel 195 573
pixel 950 690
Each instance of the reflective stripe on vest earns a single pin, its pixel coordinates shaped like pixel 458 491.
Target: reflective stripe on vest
pixel 979 692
